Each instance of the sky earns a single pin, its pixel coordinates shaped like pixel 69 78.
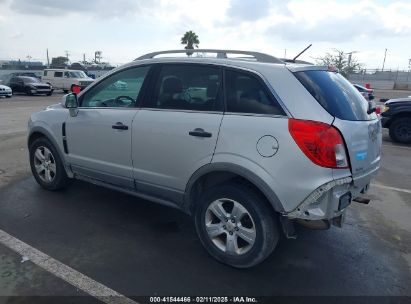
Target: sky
pixel 126 29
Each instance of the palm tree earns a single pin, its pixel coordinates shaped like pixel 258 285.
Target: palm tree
pixel 190 39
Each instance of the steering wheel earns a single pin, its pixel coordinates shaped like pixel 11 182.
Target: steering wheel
pixel 118 100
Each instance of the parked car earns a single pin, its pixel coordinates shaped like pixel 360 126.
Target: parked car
pixel 28 74
pixel 30 85
pixel 237 153
pixel 65 79
pixel 5 91
pixel 367 93
pixel 396 116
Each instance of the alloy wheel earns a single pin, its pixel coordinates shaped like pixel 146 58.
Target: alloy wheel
pixel 45 164
pixel 230 226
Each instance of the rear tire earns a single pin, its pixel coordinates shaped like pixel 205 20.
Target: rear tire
pixel 400 130
pixel 46 165
pixel 244 232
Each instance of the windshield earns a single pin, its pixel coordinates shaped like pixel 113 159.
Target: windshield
pixel 78 74
pixel 336 94
pixel 27 79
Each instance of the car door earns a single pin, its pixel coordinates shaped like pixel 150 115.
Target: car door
pixel 176 130
pixel 99 137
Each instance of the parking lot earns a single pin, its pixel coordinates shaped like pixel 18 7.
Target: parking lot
pixel 138 248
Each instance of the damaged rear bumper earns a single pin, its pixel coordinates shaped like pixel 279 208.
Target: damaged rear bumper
pixel 326 205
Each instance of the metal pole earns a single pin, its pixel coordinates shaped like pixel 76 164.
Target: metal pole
pixel 383 63
pixel 48 60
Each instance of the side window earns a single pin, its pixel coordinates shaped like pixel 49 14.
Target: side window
pixel 58 74
pixel 246 94
pixel 188 87
pixel 45 73
pixel 66 74
pixel 118 90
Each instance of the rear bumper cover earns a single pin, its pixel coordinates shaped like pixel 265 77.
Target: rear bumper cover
pixel 330 200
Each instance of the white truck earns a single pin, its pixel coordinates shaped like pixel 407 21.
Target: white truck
pixel 65 79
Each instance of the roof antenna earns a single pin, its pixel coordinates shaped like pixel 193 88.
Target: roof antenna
pixel 299 54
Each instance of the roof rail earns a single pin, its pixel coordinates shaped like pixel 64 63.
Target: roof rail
pixel 259 57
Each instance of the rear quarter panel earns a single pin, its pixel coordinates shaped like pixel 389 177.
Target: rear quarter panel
pixel 289 173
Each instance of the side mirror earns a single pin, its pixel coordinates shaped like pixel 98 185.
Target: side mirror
pixel 71 103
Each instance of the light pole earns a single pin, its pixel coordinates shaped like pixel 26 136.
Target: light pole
pixel 383 63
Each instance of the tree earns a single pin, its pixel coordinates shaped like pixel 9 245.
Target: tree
pixel 190 39
pixel 344 62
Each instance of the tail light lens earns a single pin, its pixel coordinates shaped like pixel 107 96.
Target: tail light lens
pixel 320 142
pixel 378 110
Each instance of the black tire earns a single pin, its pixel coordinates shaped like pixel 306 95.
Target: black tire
pixel 8 96
pixel 49 94
pixel 60 179
pixel 264 220
pixel 65 91
pixel 28 92
pixel 400 130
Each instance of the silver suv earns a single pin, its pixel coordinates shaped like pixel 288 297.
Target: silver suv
pixel 247 145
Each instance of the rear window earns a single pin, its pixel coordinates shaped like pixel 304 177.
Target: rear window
pixel 338 96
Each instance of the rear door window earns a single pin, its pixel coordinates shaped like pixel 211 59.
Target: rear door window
pixel 58 74
pixel 336 94
pixel 245 93
pixel 193 87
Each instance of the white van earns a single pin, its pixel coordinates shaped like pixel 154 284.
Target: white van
pixel 66 79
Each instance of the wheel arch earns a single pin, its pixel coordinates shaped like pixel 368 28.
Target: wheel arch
pixel 38 132
pixel 217 173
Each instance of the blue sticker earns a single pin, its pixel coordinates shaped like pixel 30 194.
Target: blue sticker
pixel 361 155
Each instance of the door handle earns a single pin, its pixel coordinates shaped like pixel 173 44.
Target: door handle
pixel 119 126
pixel 200 133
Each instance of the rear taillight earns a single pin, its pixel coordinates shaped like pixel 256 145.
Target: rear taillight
pixel 320 142
pixel 378 110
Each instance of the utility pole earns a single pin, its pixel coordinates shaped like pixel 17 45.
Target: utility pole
pixel 84 57
pixel 383 63
pixel 285 53
pixel 48 60
pixel 350 57
pixel 67 54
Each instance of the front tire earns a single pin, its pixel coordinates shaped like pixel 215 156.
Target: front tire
pixel 28 92
pixel 46 165
pixel 236 226
pixel 400 130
